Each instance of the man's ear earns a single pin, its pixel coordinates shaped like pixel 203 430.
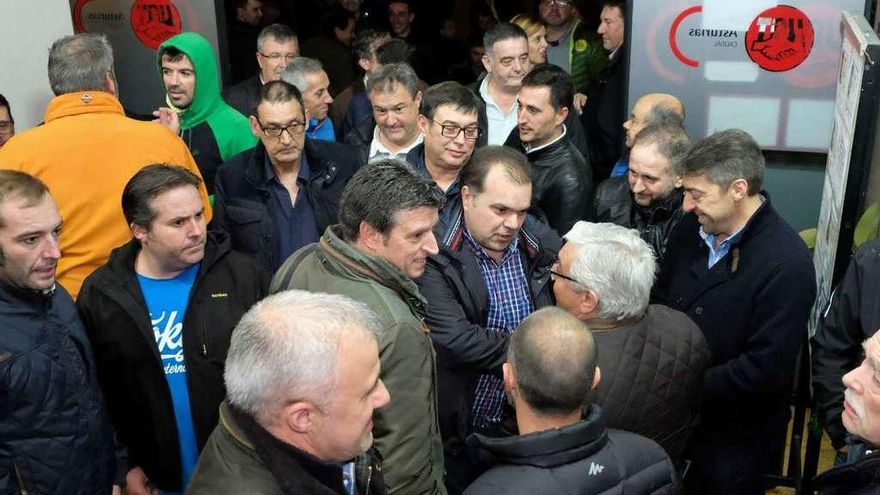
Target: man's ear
pixel 487 63
pixel 300 416
pixel 597 377
pixel 422 123
pixel 589 303
pixel 739 189
pixel 509 377
pixel 138 231
pixel 255 127
pixel 561 115
pixel 110 84
pixel 365 64
pixel 417 101
pixel 467 198
pixel 369 237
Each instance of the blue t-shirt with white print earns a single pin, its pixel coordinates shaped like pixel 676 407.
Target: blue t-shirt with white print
pixel 167 300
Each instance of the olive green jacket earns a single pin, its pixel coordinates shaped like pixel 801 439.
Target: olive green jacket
pixel 405 431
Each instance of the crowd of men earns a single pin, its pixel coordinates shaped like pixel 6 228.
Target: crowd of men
pixel 316 283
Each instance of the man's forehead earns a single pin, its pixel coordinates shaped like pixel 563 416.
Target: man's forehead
pixel 450 113
pixel 274 45
pixel 510 47
pixel 20 215
pixel 279 111
pixel 317 80
pixel 647 156
pixel 181 62
pixel 535 95
pixel 611 13
pixel 398 7
pixel 391 93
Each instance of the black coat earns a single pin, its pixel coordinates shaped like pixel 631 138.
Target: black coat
pixel 581 458
pixel 241 199
pixel 604 114
pixel 851 317
pixel 244 95
pixel 54 434
pixel 130 368
pixel 562 183
pixel 361 137
pixel 752 307
pixel 614 203
pixel 457 312
pixel 652 376
pixel 861 477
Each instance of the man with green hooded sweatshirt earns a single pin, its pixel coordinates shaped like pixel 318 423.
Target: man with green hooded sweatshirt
pixel 213 130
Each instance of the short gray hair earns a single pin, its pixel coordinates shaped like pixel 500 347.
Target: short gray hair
pixel 725 157
pixel 616 264
pixel 670 141
pixel 298 70
pixel 384 78
pixel 79 62
pixel 279 32
pixel 664 114
pixel 285 349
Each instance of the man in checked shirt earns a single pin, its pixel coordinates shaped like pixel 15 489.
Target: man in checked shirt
pixel 493 269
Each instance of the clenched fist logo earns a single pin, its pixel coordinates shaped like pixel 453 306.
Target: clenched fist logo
pixel 780 38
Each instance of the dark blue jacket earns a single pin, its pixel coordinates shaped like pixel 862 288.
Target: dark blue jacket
pixel 458 307
pixel 54 434
pixel 242 201
pixel 752 307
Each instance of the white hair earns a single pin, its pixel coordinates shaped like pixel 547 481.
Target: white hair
pixel 285 349
pixel 616 264
pixel 298 70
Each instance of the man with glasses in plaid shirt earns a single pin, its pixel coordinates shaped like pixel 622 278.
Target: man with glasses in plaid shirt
pixel 282 194
pixel 493 269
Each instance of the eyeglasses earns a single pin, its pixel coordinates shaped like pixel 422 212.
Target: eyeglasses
pixel 554 275
pixel 551 3
pixel 292 128
pixel 276 56
pixel 7 126
pixel 452 131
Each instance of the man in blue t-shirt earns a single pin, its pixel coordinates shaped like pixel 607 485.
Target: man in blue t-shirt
pixel 160 314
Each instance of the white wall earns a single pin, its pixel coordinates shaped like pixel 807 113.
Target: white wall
pixel 27 29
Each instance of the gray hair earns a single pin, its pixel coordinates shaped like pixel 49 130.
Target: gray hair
pixel 384 78
pixel 80 62
pixel 670 141
pixel 381 190
pixel 616 264
pixel 298 70
pixel 553 356
pixel 663 114
pixel 725 157
pixel 279 32
pixel 285 348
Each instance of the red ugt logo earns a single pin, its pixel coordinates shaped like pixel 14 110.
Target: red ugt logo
pixel 780 38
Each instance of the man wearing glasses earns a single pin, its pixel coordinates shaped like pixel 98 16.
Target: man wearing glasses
pixel 7 123
pixel 449 123
pixel 282 194
pixel 277 45
pixel 493 270
pixel 574 45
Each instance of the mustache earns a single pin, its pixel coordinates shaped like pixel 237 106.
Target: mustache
pixel 855 402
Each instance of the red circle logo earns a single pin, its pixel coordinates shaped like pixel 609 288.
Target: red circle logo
pixel 154 21
pixel 780 38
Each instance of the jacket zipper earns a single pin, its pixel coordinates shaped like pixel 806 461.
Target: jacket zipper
pixel 204 340
pixel 369 479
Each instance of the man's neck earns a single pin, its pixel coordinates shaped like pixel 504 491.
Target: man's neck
pixel 443 176
pixel 530 421
pixel 148 266
pixel 286 169
pixel 750 205
pixel 555 33
pixel 503 96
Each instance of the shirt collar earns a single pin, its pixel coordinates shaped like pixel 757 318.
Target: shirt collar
pixel 532 150
pixel 377 148
pixel 303 175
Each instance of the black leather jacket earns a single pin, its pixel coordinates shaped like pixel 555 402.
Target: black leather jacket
pixel 614 203
pixel 562 183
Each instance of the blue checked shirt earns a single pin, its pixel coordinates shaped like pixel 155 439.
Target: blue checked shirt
pixel 509 303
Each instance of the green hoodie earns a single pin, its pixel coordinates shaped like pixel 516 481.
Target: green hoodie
pixel 230 128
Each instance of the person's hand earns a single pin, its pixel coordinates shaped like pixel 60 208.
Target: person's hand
pixel 580 100
pixel 168 118
pixel 136 483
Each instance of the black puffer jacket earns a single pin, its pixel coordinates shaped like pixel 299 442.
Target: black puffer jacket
pixel 614 203
pixel 652 376
pixel 852 316
pixel 241 199
pixel 54 435
pixel 582 458
pixel 129 366
pixel 562 183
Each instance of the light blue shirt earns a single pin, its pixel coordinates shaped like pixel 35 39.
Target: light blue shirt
pixel 718 254
pixel 500 124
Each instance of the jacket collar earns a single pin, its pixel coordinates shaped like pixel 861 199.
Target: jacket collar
pixel 82 102
pixel 26 301
pixel 552 447
pixel 362 265
pixel 319 165
pixel 453 239
pixel 660 210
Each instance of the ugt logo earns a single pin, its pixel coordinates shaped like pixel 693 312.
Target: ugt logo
pixel 154 21
pixel 780 38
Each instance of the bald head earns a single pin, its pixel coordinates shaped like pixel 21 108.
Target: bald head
pixel 553 357
pixel 653 109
